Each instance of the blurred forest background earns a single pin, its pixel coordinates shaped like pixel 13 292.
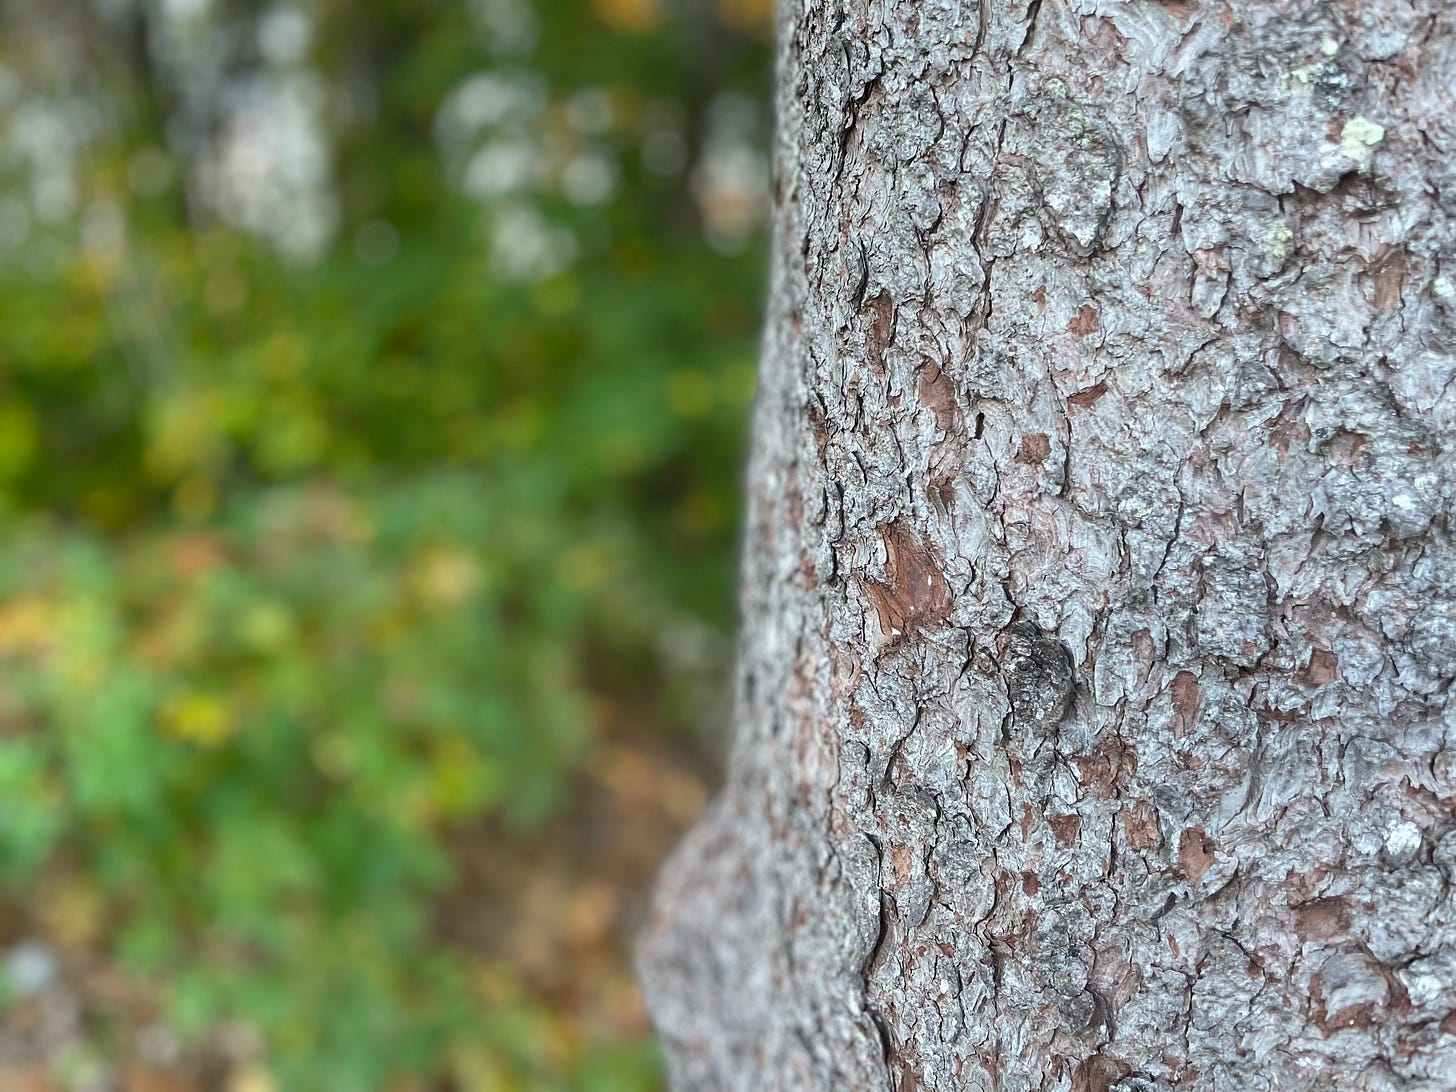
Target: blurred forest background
pixel 373 388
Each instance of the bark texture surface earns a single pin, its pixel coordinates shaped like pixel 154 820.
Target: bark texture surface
pixel 1094 718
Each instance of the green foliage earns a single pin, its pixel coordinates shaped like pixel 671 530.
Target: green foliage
pixel 304 562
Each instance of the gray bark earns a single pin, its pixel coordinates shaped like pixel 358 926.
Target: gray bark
pixel 1094 725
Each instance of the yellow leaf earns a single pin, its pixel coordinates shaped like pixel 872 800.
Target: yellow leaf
pixel 198 718
pixel 27 626
pixel 637 16
pixel 266 627
pixel 183 433
pixel 445 576
pixel 72 912
pixel 747 15
pixel 251 1077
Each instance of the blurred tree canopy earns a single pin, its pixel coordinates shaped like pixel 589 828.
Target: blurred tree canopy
pixel 372 388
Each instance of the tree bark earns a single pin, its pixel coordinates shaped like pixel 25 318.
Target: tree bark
pixel 1094 726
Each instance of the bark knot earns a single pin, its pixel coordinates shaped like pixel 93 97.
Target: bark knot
pixel 1038 672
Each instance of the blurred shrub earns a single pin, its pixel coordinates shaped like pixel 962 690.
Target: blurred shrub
pixel 320 511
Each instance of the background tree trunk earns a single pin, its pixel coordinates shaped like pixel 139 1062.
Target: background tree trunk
pixel 1094 720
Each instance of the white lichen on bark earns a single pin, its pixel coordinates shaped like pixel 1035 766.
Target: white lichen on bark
pixel 1094 719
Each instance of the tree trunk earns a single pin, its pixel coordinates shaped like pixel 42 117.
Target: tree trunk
pixel 1094 724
